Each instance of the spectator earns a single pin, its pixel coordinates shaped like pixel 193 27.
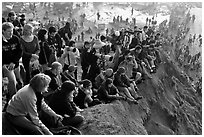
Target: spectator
pixel 122 85
pixel 31 49
pixel 107 92
pixel 85 96
pixel 45 50
pixel 23 108
pixel 108 73
pixel 54 73
pixel 65 33
pixel 55 39
pixel 17 25
pixel 69 74
pixel 85 59
pixel 11 54
pixel 62 103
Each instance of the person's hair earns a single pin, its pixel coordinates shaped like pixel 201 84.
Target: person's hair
pixel 41 34
pixel 52 29
pixel 108 81
pixel 11 13
pixel 7 25
pixel 71 43
pixel 67 25
pixel 39 81
pixel 55 65
pixel 86 83
pixel 26 28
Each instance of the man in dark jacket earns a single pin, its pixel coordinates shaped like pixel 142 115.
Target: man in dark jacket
pixel 108 92
pixel 65 33
pixel 62 103
pixel 16 23
pixel 55 39
pixel 11 54
pixel 85 59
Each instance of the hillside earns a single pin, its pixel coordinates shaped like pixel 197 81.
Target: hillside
pixel 170 106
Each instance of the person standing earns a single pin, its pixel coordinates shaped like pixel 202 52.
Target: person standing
pixel 11 54
pixel 31 49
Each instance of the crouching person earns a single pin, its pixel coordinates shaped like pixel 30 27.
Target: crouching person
pixel 108 92
pixel 62 103
pixel 23 108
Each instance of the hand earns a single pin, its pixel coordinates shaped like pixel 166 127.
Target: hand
pixel 59 117
pixel 35 57
pixel 47 132
pixel 11 66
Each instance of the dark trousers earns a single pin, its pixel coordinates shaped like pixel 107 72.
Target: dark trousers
pixel 27 69
pixel 23 123
pixel 75 121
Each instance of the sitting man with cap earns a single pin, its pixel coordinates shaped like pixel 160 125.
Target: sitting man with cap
pixel 56 82
pixel 103 76
pixel 69 74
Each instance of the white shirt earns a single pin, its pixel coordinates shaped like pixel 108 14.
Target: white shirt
pixel 72 57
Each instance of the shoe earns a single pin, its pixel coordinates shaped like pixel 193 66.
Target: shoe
pixel 135 102
pixel 139 81
pixel 138 98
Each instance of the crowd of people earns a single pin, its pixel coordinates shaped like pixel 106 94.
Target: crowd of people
pixel 179 42
pixel 42 76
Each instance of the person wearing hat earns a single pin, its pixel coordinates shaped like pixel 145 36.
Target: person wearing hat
pixel 62 102
pixel 55 39
pixel 22 19
pixel 54 73
pixel 108 73
pixel 69 74
pixel 107 92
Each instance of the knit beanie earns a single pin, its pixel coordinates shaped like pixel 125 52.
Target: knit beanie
pixel 121 70
pixel 68 86
pixel 52 29
pixel 86 83
pixel 109 81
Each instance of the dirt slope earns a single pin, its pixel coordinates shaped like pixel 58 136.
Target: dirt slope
pixel 170 106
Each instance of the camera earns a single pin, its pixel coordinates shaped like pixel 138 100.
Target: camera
pixel 72 49
pixel 105 57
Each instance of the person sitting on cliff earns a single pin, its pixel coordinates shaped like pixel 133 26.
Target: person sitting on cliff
pixel 124 84
pixel 107 92
pixel 69 74
pixel 26 105
pixel 63 104
pixel 85 97
pixel 104 75
pixel 131 67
